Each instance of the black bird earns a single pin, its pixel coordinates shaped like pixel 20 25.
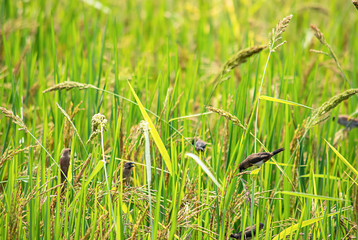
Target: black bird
pixel 127 170
pixel 65 163
pixel 248 232
pixel 199 144
pixel 257 159
pixel 347 121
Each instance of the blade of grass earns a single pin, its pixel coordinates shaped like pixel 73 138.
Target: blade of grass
pixel 267 98
pixel 285 232
pixel 342 158
pixel 308 195
pixel 153 131
pixel 149 174
pixel 205 168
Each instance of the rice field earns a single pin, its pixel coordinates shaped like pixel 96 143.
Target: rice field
pixel 185 90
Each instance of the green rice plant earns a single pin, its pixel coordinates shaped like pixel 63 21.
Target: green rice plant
pixel 179 71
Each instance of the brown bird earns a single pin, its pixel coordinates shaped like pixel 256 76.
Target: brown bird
pixel 65 163
pixel 257 159
pixel 199 144
pixel 248 232
pixel 347 121
pixel 127 170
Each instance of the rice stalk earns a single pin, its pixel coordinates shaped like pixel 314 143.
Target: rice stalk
pixel 139 220
pixel 72 85
pixel 67 133
pixel 320 114
pixel 226 115
pixel 145 127
pixel 237 59
pixel 68 85
pixel 276 34
pixel 83 169
pixel 99 123
pixel 11 153
pixel 72 125
pixel 18 121
pixel 15 118
pixel 319 35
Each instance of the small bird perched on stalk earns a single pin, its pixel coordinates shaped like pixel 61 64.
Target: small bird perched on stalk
pixel 248 232
pixel 199 144
pixel 257 159
pixel 65 163
pixel 347 121
pixel 127 171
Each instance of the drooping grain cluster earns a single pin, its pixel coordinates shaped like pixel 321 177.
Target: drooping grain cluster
pixel 67 85
pixel 320 114
pixel 319 35
pixel 11 153
pixel 15 118
pixel 240 57
pixel 226 115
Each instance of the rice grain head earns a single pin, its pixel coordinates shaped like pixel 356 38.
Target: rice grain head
pixel 320 114
pixel 281 26
pixel 15 118
pixel 277 32
pixel 241 57
pixel 67 85
pixel 319 35
pixel 99 123
pixel 226 115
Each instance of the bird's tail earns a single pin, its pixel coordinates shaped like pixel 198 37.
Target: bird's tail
pixel 277 151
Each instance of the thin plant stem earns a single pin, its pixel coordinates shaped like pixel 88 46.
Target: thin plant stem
pixel 106 176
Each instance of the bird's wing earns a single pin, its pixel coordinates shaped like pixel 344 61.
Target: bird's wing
pixel 64 161
pixel 249 230
pixel 200 144
pixel 257 157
